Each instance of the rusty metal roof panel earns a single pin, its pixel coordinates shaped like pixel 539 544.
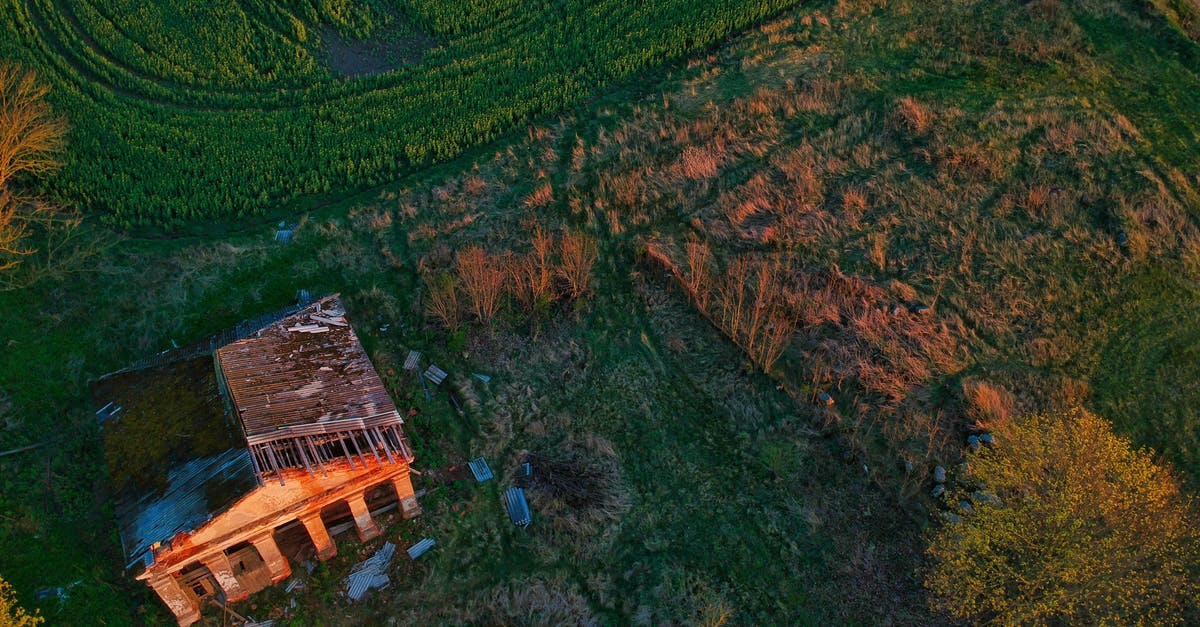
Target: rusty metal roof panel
pixel 303 372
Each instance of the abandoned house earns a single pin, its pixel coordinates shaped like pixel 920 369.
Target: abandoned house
pixel 227 460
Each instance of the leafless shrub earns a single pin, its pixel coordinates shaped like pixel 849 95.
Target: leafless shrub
pixel 577 254
pixel 578 489
pixel 532 274
pixel 441 301
pixel 698 278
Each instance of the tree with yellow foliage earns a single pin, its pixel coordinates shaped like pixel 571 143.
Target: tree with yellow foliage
pixel 1070 525
pixel 13 615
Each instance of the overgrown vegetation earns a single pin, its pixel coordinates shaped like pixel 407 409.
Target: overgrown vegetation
pixel 916 240
pixel 479 282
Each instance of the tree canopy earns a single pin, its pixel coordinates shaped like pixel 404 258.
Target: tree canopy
pixel 1069 524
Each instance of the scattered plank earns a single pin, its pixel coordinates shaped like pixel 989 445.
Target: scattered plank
pixel 482 377
pixel 419 549
pixel 108 412
pixel 518 508
pixel 435 374
pixel 480 468
pixel 424 387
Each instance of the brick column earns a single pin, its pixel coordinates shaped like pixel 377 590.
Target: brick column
pixel 276 563
pixel 181 604
pixel 409 507
pixel 218 565
pixel 320 537
pixel 366 527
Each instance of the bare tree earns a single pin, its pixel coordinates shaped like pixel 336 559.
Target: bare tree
pixel 543 253
pixel 31 134
pixel 733 296
pixel 482 279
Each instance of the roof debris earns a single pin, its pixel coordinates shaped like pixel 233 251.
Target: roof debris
pixel 412 361
pixel 435 374
pixel 419 549
pixel 370 573
pixel 479 468
pixel 337 322
pixel 518 509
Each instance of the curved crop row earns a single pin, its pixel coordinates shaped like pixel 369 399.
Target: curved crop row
pixel 166 132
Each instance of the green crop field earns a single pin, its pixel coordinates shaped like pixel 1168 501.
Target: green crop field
pixel 184 114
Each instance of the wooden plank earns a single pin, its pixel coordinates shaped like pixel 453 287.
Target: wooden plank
pixel 323 319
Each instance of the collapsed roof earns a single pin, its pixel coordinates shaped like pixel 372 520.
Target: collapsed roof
pixel 187 438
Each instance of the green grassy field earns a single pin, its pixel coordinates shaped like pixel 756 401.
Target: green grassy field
pixel 879 166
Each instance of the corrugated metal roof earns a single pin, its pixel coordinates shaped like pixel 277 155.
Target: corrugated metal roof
pixel 305 374
pixel 518 508
pixel 370 573
pixel 195 492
